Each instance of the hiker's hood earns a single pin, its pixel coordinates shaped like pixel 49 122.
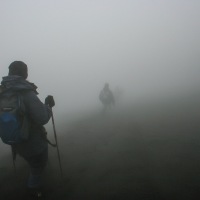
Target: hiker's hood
pixel 17 83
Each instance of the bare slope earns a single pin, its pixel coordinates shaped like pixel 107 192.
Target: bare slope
pixel 147 151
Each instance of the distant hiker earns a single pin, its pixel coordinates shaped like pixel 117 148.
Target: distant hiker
pixel 33 145
pixel 106 97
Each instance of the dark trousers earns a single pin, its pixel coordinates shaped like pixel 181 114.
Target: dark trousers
pixel 37 165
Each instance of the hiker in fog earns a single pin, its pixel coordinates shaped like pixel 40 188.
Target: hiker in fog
pixel 106 97
pixel 34 149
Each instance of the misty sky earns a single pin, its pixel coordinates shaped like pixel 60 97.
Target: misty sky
pixel 72 47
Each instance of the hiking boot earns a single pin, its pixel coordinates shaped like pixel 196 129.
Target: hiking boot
pixel 36 193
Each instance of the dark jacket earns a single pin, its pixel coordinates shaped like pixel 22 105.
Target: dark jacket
pixel 37 113
pixel 106 97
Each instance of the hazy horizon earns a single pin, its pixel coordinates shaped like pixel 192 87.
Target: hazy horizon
pixel 73 47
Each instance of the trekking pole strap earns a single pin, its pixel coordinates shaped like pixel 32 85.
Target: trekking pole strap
pixel 50 143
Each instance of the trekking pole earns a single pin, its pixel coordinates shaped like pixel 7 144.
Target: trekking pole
pixel 14 158
pixel 15 170
pixel 54 129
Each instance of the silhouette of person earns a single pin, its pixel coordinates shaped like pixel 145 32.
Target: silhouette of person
pixel 106 97
pixel 35 149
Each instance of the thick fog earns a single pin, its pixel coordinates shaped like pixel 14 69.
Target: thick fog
pixel 73 47
pixel 147 147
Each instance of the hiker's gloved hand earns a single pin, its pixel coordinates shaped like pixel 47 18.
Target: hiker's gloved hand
pixel 49 101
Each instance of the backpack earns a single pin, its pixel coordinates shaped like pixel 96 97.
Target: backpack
pixel 14 124
pixel 105 97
